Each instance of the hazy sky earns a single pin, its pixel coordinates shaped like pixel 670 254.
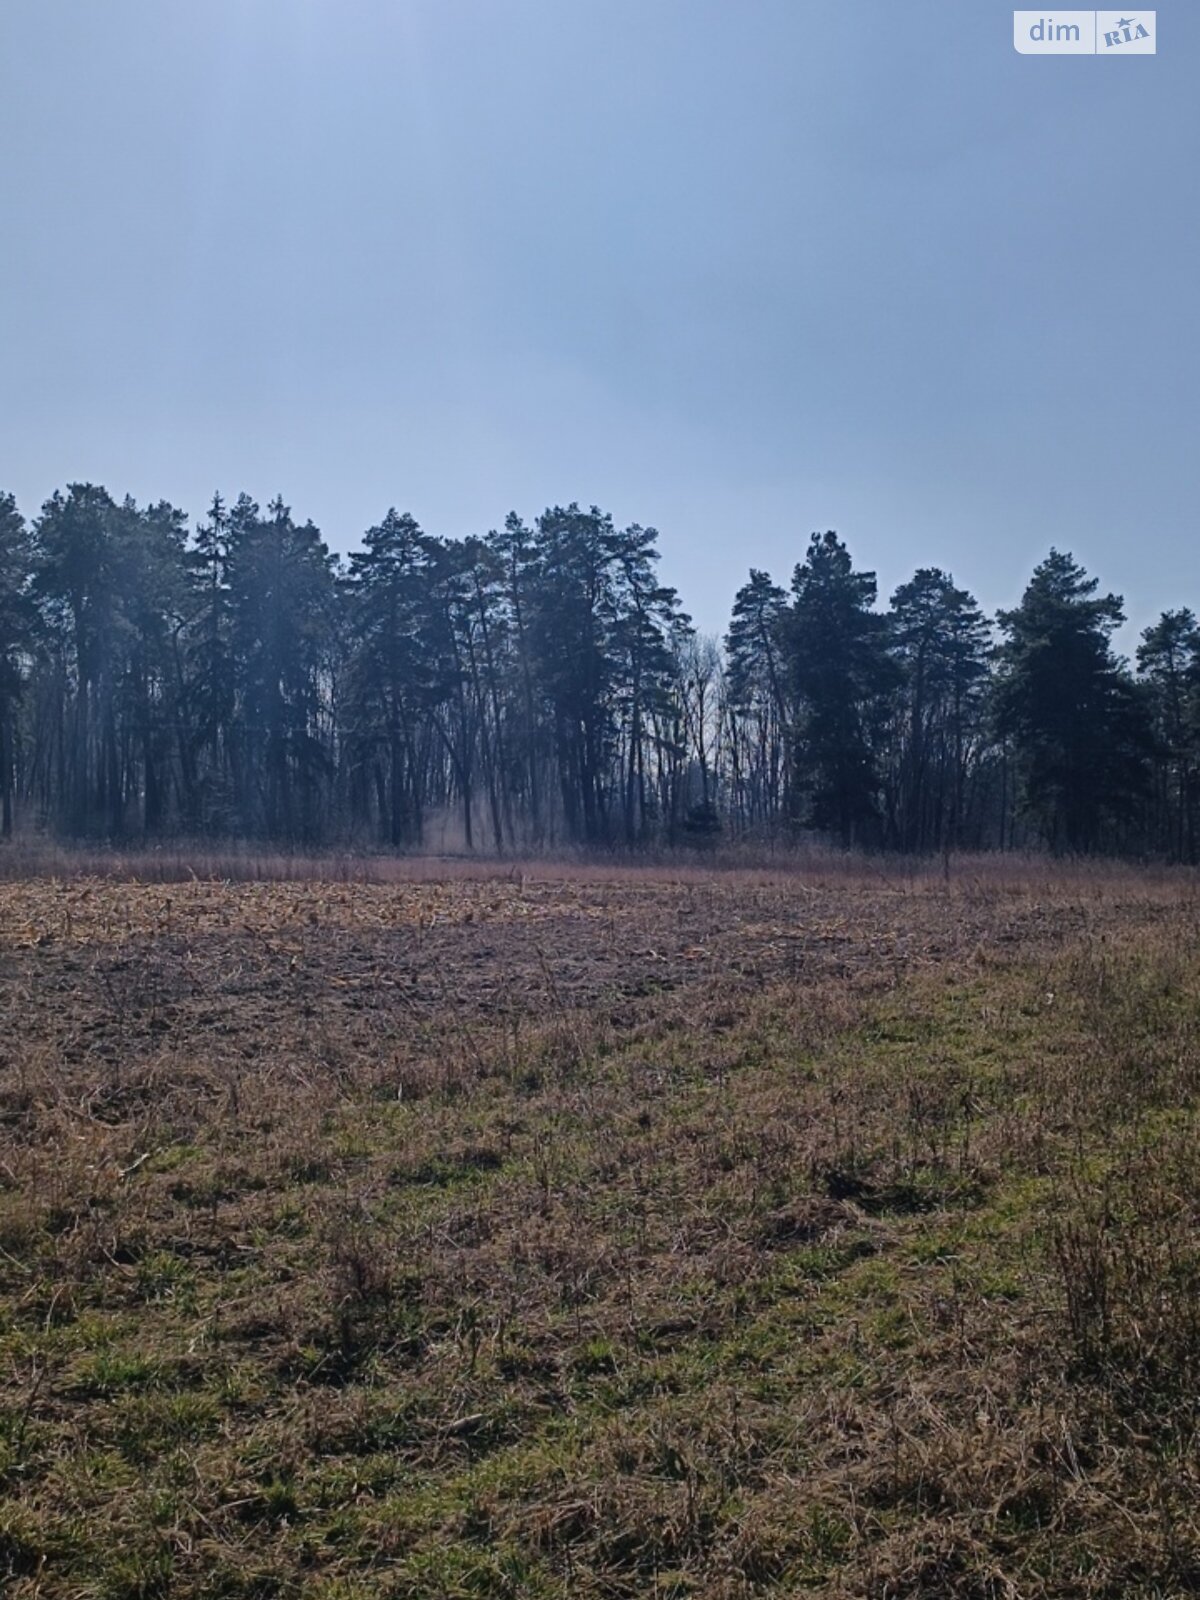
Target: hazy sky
pixel 739 269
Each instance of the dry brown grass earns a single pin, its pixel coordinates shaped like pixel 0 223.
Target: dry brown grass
pixel 755 864
pixel 549 1232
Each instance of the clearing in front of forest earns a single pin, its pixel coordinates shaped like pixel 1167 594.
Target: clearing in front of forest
pixel 559 1234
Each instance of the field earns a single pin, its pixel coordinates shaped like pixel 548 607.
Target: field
pixel 568 1232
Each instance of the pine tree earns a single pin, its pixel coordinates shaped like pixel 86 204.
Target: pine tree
pixel 281 586
pixel 755 650
pixel 515 553
pixel 648 626
pixel 573 610
pixel 207 754
pixel 840 674
pixel 18 623
pixel 1077 724
pixel 1168 661
pixel 391 671
pixel 77 582
pixel 151 560
pixel 941 640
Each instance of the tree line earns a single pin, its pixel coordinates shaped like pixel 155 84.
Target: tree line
pixel 539 686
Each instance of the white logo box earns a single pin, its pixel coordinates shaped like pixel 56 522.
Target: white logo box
pixel 1085 33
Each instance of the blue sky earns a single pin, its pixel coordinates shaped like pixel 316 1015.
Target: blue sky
pixel 739 269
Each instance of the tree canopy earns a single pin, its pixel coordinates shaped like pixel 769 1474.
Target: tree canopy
pixel 539 684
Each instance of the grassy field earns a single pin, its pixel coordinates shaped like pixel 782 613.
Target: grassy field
pixel 429 1232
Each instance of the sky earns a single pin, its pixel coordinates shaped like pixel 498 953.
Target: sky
pixel 736 269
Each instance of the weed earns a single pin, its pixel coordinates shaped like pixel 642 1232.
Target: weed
pixel 419 1229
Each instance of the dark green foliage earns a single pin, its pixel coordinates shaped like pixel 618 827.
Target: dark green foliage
pixel 1169 664
pixel 390 676
pixel 574 609
pixel 601 630
pixel 941 641
pixel 540 686
pixel 755 652
pixel 110 581
pixel 281 632
pixel 18 620
pixel 840 674
pixel 1073 715
pixel 210 678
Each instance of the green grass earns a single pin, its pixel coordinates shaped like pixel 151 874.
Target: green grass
pixel 876 1290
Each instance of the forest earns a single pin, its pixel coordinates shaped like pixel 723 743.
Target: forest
pixel 540 687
